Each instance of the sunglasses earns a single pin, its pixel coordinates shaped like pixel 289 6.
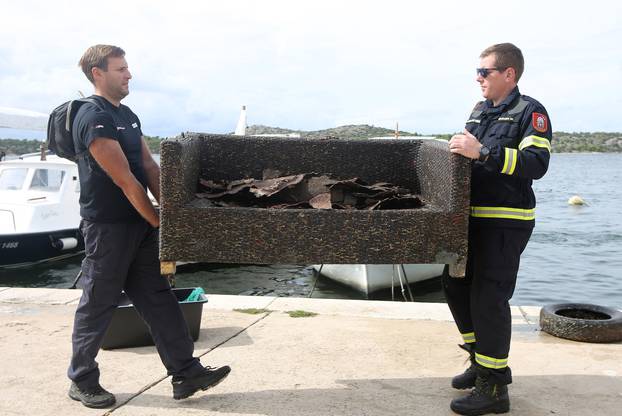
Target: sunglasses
pixel 484 72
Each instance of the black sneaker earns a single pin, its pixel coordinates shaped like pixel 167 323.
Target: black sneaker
pixel 96 397
pixel 184 387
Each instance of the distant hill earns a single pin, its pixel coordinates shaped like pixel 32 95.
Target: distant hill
pixel 562 142
pixel 358 131
pixel 586 142
pixel 18 146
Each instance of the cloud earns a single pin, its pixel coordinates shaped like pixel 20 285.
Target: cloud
pixel 315 64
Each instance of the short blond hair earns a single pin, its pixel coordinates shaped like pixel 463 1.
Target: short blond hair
pixel 506 56
pixel 97 57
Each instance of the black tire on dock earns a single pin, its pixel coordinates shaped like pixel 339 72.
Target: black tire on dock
pixel 582 322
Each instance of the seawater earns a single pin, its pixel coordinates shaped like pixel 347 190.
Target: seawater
pixel 575 252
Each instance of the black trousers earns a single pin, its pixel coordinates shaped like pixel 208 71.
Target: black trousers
pixel 125 257
pixel 479 302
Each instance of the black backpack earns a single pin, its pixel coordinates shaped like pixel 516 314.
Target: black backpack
pixel 60 137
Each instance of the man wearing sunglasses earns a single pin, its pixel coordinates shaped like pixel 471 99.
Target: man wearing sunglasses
pixel 508 137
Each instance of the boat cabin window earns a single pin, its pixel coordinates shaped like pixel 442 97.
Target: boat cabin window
pixel 12 179
pixel 47 180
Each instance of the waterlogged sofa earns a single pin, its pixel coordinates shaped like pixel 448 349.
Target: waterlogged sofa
pixel 191 230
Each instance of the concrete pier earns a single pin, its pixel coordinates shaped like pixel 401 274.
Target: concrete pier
pixel 352 358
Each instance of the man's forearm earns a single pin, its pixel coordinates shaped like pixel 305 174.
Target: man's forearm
pixel 137 196
pixel 153 180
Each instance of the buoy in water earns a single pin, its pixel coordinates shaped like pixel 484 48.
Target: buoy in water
pixel 576 200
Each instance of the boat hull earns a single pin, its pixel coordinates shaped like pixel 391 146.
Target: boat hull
pixel 369 278
pixel 19 250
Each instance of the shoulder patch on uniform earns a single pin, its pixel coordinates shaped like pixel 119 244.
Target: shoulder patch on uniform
pixel 539 122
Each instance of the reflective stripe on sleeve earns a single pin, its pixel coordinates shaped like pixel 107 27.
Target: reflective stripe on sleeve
pixel 504 212
pixel 469 338
pixel 473 120
pixel 511 156
pixel 535 141
pixel 490 362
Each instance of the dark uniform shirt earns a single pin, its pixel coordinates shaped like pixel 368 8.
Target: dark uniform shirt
pixel 518 134
pixel 100 199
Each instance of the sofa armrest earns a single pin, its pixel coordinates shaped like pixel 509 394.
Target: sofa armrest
pixel 444 177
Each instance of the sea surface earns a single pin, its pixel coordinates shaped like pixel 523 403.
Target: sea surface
pixel 575 252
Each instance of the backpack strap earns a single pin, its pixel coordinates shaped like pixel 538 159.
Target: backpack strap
pixel 71 114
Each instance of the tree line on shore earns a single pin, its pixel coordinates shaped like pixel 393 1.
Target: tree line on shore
pixel 562 142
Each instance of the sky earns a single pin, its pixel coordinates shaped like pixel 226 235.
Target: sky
pixel 309 65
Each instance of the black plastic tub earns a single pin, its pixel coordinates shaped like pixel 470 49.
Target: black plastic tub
pixel 127 329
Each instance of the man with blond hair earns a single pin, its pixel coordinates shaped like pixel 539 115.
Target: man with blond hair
pixel 508 137
pixel 120 228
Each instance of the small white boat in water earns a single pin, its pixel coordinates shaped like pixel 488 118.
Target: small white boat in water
pixel 39 193
pixel 368 278
pixel 39 210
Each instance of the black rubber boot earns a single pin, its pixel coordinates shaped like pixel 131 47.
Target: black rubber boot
pixel 466 380
pixel 186 386
pixel 490 394
pixel 95 396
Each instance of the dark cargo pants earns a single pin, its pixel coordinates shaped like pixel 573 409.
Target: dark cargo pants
pixel 479 302
pixel 125 257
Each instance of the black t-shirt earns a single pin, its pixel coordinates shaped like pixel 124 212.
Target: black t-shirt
pixel 100 199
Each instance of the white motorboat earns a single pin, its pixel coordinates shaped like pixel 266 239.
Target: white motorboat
pixel 39 210
pixel 369 278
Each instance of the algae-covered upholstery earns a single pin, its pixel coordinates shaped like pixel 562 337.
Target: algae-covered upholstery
pixel 191 230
